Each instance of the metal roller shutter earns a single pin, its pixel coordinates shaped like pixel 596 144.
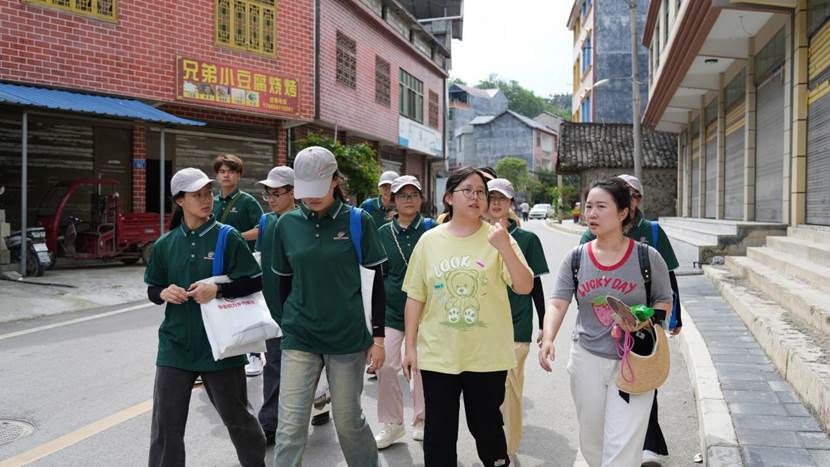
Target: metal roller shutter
pixel 733 170
pixel 818 130
pixel 769 163
pixel 696 177
pixel 200 150
pixel 711 170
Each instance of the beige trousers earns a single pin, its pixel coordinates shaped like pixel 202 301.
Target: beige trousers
pixel 512 408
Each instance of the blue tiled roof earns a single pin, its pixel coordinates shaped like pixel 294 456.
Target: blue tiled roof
pixel 54 99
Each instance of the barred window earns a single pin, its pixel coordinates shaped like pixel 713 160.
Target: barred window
pixel 412 97
pixel 346 60
pixel 382 82
pixel 433 109
pixel 101 9
pixel 247 25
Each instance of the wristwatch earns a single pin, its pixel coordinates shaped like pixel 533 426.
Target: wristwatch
pixel 218 290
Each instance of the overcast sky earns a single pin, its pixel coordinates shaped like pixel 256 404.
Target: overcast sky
pixel 525 40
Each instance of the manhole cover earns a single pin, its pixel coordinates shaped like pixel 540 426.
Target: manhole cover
pixel 11 430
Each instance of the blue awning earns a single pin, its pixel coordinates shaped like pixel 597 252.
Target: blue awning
pixel 54 99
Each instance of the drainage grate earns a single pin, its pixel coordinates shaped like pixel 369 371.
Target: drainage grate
pixel 11 430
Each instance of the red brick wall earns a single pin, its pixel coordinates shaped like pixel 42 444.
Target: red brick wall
pixel 355 109
pixel 137 56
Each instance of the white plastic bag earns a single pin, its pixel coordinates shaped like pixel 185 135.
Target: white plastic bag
pixel 367 281
pixel 237 326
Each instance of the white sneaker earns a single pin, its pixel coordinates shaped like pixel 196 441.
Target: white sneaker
pixel 254 366
pixel 418 432
pixel 651 459
pixel 389 434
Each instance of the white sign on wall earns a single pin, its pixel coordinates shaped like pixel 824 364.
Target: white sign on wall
pixel 413 135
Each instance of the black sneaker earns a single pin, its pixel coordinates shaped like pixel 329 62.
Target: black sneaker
pixel 321 419
pixel 270 437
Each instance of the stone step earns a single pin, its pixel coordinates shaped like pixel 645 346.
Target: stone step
pixel 691 236
pixel 801 355
pixel 793 265
pixel 818 253
pixel 711 226
pixel 809 304
pixel 811 233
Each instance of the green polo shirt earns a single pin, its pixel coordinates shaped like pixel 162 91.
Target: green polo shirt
pixel 324 311
pixel 182 257
pixel 376 209
pixel 239 209
pixel 270 282
pixel 398 243
pixel 641 232
pixel 521 306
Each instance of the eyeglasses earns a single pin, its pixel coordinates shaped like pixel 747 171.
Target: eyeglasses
pixel 498 199
pixel 409 197
pixel 266 195
pixel 469 193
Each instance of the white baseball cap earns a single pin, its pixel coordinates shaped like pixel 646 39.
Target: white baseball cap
pixel 633 182
pixel 405 180
pixel 313 170
pixel 188 180
pixel 503 186
pixel 386 178
pixel 279 177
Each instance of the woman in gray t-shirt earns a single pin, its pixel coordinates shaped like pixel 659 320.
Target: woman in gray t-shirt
pixel 612 424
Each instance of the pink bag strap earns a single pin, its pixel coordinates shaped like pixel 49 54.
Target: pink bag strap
pixel 624 351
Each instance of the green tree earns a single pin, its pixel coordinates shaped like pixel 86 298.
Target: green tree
pixel 515 170
pixel 525 101
pixel 457 80
pixel 357 162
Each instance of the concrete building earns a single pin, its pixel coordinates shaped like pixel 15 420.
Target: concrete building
pixel 365 70
pixel 487 139
pixel 744 86
pixel 465 105
pixel 602 51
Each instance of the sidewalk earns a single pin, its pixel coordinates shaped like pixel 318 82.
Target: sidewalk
pixel 748 414
pixel 91 287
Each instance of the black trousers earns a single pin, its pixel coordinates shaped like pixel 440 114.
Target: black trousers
pixel 270 385
pixel 655 441
pixel 483 396
pixel 227 390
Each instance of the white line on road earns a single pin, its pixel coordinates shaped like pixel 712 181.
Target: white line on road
pixel 72 321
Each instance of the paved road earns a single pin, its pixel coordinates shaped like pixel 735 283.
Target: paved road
pixel 86 388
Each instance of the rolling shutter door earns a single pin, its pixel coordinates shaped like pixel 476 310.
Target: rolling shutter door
pixel 733 173
pixel 818 130
pixel 200 150
pixel 696 177
pixel 711 170
pixel 769 175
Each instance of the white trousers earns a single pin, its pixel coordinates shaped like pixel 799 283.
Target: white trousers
pixel 611 430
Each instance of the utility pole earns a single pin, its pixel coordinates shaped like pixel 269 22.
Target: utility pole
pixel 635 94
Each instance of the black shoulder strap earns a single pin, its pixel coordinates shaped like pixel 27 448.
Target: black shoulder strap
pixel 576 258
pixel 645 269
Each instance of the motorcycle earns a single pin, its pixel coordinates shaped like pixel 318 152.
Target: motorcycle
pixel 38 258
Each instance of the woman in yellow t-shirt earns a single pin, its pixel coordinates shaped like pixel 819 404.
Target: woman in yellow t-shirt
pixel 459 329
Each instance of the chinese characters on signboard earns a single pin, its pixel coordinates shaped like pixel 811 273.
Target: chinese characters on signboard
pixel 233 86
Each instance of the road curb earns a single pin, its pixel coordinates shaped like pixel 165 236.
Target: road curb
pixel 718 440
pixel 562 228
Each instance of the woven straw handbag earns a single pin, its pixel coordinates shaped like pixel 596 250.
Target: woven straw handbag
pixel 649 371
pixel 642 373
